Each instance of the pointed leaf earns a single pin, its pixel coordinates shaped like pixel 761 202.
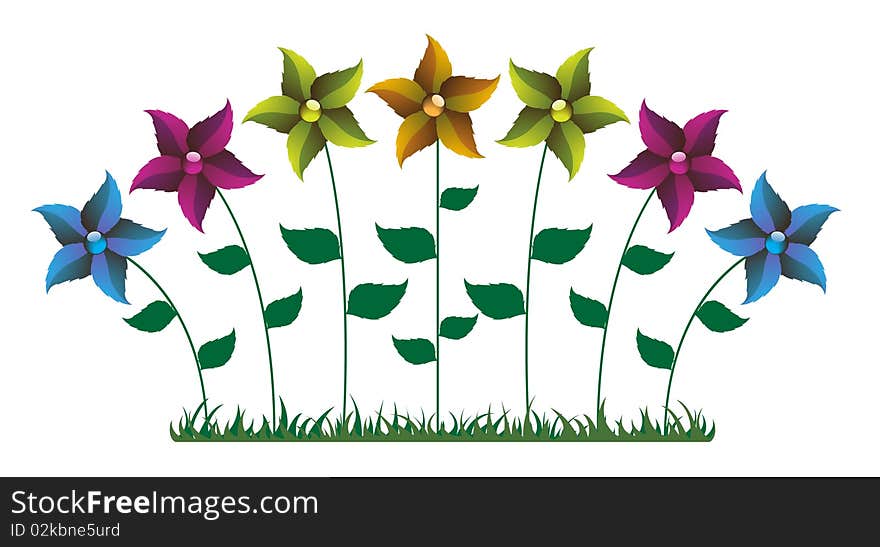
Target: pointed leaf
pixel 574 75
pixel 304 142
pixel 298 76
pixel 718 317
pixel 284 311
pixel 456 328
pixel 217 353
pixel 456 199
pixel 532 126
pixel 312 245
pixel 645 261
pixel 339 127
pixel 335 89
pixel 279 113
pixel 374 301
pixel 153 318
pixel 408 245
pixel 558 246
pixel 536 89
pixel 655 353
pixel 416 351
pixel 498 301
pixel 593 112
pixel 588 312
pixel 567 143
pixel 228 260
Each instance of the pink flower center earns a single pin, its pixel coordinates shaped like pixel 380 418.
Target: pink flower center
pixel 193 163
pixel 679 163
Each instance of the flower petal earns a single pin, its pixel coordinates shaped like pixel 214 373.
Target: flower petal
pixel 163 173
pixel 194 195
pixel 279 113
pixel 464 94
pixel 403 96
pixel 341 128
pixel 647 170
pixel 102 211
pixel 129 238
pixel 64 221
pixel 533 125
pixel 298 76
pixel 225 171
pixel 700 132
pixel 336 89
pixel 434 68
pixel 567 142
pixel 536 89
pixel 574 75
pixel 417 131
pixel 171 133
pixel 768 210
pixel 211 135
pixel 303 144
pixel 108 272
pixel 802 263
pixel 660 135
pixel 762 274
pixel 593 112
pixel 741 239
pixel 457 134
pixel 710 173
pixel 676 194
pixel 70 262
pixel 806 221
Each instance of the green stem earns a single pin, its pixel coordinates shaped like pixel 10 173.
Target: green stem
pixel 529 277
pixel 611 301
pixel 681 341
pixel 185 331
pixel 344 292
pixel 259 297
pixel 437 274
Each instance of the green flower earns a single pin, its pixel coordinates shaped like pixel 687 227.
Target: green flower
pixel 311 110
pixel 559 110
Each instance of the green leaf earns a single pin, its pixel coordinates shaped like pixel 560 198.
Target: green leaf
pixel 718 317
pixel 645 261
pixel 499 301
pixel 456 328
pixel 217 353
pixel 408 245
pixel 416 351
pixel 303 144
pixel 296 82
pixel 335 89
pixel 558 246
pixel 588 312
pixel 312 245
pixel 228 260
pixel 536 89
pixel 456 199
pixel 592 112
pixel 574 75
pixel 339 127
pixel 279 113
pixel 531 127
pixel 374 301
pixel 655 353
pixel 567 142
pixel 155 317
pixel 284 311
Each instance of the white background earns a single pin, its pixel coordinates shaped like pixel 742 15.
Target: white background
pixel 792 392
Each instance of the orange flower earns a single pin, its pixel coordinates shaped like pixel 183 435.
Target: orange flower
pixel 435 104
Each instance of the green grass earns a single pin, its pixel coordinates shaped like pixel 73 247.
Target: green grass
pixel 396 427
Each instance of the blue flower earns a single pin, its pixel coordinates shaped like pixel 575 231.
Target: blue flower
pixel 96 241
pixel 776 241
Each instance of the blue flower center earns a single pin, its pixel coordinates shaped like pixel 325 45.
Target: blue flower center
pixel 776 243
pixel 95 243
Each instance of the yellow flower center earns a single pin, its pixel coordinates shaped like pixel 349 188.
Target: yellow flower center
pixel 310 111
pixel 434 105
pixel 560 111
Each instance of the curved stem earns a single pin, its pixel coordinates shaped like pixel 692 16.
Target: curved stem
pixel 344 292
pixel 681 341
pixel 185 331
pixel 611 301
pixel 529 277
pixel 259 297
pixel 437 274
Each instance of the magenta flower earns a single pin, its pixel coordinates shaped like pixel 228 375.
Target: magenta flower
pixel 193 162
pixel 678 162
